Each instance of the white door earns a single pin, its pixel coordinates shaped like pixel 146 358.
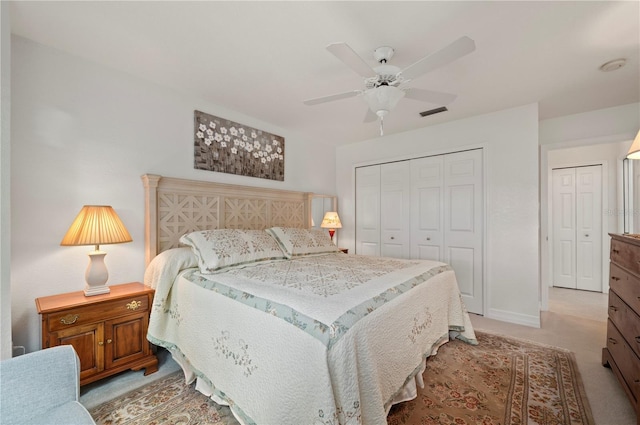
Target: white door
pixel 589 228
pixel 368 210
pixel 446 218
pixel 427 208
pixel 463 224
pixel 577 227
pixel 564 227
pixel 395 203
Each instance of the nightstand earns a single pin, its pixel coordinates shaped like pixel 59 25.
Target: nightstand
pixel 109 331
pixel 345 250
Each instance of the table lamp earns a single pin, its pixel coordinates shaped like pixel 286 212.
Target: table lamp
pixel 634 150
pixel 96 225
pixel 331 221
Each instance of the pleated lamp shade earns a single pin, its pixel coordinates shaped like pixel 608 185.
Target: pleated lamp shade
pixel 96 225
pixel 634 150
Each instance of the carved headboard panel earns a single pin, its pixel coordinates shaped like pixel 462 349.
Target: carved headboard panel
pixel 174 207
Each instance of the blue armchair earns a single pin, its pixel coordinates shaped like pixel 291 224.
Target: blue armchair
pixel 42 388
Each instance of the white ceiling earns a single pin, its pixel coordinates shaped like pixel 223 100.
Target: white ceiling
pixel 264 58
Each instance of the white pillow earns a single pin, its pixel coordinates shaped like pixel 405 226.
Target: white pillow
pixel 165 266
pixel 295 242
pixel 221 249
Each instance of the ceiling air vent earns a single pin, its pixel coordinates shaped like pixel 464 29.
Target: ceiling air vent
pixel 433 111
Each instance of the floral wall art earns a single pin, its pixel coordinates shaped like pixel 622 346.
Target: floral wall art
pixel 228 147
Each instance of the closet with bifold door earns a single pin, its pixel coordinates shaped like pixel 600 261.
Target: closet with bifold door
pixel 426 208
pixel 577 227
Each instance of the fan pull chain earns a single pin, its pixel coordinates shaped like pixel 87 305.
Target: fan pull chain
pixel 382 125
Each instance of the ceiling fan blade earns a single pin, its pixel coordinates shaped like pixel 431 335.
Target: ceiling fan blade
pixel 435 97
pixel 331 98
pixel 462 46
pixel 347 55
pixel 370 116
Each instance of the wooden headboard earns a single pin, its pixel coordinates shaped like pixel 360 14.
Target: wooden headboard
pixel 174 207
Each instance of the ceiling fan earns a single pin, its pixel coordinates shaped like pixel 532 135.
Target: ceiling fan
pixel 384 84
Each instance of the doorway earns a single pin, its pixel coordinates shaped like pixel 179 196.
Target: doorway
pixel 577 227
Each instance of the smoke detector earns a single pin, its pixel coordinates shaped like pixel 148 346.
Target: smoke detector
pixel 613 65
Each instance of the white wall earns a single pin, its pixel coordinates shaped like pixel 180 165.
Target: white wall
pixel 84 134
pixel 5 178
pixel 600 126
pixel 510 141
pixel 582 138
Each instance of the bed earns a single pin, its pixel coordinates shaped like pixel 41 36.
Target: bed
pixel 289 330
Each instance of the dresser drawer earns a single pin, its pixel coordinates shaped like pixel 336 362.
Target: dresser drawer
pixel 626 255
pixel 626 286
pixel 626 321
pixel 93 313
pixel 624 358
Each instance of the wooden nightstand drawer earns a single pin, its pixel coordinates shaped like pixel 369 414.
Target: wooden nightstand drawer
pixel 101 311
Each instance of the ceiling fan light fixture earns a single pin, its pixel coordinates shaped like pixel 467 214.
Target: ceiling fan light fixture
pixel 383 98
pixel 382 84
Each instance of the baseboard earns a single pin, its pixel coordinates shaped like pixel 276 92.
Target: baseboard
pixel 511 317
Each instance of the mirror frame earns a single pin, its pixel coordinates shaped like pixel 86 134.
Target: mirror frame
pixel 627 199
pixel 332 207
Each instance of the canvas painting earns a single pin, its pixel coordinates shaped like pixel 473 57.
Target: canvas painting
pixel 226 146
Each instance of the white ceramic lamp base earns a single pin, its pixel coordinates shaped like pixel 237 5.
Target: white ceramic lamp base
pixel 96 275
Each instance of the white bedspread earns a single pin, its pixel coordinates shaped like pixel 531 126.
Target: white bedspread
pixel 326 339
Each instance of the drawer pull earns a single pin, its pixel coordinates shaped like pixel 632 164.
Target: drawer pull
pixel 69 319
pixel 100 343
pixel 615 251
pixel 613 340
pixel 134 305
pixel 109 341
pixel 613 308
pixel 615 278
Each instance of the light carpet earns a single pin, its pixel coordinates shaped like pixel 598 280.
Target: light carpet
pixel 500 381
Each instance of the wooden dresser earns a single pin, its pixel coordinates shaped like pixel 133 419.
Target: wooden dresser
pixel 622 352
pixel 107 331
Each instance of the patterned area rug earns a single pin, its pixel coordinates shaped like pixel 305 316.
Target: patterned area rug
pixel 500 381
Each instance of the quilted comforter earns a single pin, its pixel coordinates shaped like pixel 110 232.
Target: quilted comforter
pixel 323 339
